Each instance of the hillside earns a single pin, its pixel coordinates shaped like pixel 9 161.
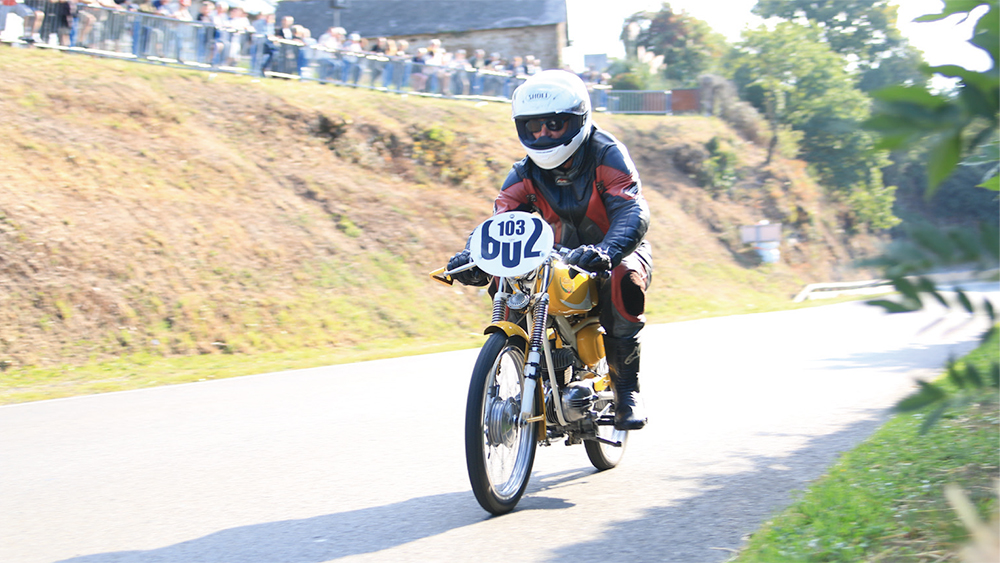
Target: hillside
pixel 147 209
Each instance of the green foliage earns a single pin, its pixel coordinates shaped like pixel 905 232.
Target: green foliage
pixel 871 204
pixel 864 30
pixel 852 27
pixel 688 45
pixel 927 248
pixel 629 75
pixel 957 200
pixel 959 125
pixel 718 171
pixel 906 116
pixel 971 386
pixel 801 83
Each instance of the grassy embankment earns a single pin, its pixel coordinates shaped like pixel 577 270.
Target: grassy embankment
pixel 164 226
pixel 885 501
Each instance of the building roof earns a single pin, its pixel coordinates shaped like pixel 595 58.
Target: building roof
pixel 392 18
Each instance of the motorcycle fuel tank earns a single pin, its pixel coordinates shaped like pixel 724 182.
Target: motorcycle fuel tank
pixel 570 296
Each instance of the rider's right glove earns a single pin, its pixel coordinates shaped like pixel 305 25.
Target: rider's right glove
pixel 473 276
pixel 590 258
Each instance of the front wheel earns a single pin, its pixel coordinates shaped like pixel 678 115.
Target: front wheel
pixel 498 451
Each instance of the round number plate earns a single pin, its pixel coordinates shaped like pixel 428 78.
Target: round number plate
pixel 511 244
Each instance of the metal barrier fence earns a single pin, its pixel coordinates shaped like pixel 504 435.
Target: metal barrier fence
pixel 631 101
pixel 147 37
pixel 164 40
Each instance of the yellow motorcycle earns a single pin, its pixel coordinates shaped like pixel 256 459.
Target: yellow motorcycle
pixel 541 375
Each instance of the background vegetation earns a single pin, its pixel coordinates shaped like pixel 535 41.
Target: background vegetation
pixel 150 215
pixel 811 79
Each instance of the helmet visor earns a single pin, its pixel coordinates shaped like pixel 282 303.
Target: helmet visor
pixel 537 131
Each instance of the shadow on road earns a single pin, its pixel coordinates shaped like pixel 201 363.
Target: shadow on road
pixel 710 526
pixel 332 536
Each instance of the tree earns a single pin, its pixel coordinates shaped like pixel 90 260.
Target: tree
pixel 862 30
pixel 688 45
pixel 799 82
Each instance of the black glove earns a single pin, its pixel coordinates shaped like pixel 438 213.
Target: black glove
pixel 590 258
pixel 472 276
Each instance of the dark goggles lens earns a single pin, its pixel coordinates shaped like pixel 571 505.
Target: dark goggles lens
pixel 550 123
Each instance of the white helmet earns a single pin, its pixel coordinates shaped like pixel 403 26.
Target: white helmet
pixel 555 94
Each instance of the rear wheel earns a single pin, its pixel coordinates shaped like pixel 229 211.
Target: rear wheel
pixel 604 455
pixel 498 451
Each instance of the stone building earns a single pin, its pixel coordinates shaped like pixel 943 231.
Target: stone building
pixel 511 27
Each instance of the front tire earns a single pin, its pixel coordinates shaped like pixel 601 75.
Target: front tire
pixel 498 451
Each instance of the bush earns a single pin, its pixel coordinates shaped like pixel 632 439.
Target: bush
pixel 720 98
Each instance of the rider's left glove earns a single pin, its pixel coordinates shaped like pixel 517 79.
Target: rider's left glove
pixel 473 276
pixel 590 258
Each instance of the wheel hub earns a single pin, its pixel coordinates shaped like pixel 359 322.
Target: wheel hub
pixel 501 421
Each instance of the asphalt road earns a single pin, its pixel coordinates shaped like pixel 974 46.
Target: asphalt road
pixel 365 462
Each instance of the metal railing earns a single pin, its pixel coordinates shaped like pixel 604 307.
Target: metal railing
pixel 153 38
pixel 163 40
pixel 631 101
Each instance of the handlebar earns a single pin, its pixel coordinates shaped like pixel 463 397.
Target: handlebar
pixel 564 251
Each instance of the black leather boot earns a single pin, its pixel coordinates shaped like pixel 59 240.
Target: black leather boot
pixel 623 362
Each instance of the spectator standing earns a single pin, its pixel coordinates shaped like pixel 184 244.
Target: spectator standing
pixel 274 43
pixel 181 11
pixel 306 43
pixel 58 20
pixel 532 65
pixel 351 48
pixel 145 35
pixel 263 27
pixel 240 28
pixel 205 35
pixel 518 68
pixel 461 70
pixel 32 19
pixel 403 63
pixel 418 78
pixel 223 35
pixel 478 59
pixel 82 22
pixel 434 65
pixel 329 59
pixel 478 63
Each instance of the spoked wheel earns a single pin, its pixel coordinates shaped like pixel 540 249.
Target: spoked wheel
pixel 602 454
pixel 498 451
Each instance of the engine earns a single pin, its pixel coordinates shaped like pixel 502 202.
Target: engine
pixel 578 399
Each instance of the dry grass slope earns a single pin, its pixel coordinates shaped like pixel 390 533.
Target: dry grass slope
pixel 152 210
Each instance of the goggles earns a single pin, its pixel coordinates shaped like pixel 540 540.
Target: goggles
pixel 550 123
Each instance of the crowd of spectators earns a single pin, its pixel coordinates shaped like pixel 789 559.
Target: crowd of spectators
pixel 218 34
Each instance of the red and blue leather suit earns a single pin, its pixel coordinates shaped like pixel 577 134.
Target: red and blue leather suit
pixel 598 201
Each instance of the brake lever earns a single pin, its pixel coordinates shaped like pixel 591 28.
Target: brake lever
pixel 600 275
pixel 462 268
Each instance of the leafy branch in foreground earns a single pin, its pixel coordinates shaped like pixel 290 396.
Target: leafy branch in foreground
pixel 971 384
pixel 927 249
pixel 960 125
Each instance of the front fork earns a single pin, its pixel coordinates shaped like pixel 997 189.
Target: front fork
pixel 538 345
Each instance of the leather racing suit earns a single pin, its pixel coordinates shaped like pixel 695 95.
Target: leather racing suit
pixel 597 201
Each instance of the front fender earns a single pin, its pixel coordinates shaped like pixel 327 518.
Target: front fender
pixel 509 328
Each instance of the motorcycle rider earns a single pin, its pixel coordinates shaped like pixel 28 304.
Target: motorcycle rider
pixel 582 181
